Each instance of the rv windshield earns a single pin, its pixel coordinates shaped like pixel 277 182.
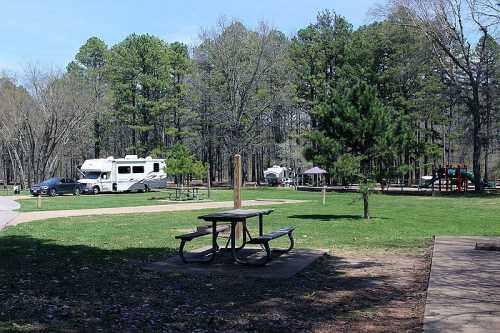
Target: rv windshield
pixel 92 175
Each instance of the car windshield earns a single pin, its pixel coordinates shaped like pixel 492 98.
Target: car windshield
pixel 49 181
pixel 92 175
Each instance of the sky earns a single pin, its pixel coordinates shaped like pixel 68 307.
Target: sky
pixel 50 32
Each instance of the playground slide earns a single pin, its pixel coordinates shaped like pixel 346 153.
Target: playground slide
pixel 470 177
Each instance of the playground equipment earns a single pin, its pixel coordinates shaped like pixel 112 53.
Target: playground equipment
pixel 451 178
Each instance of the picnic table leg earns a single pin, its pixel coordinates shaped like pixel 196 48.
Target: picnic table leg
pixel 235 254
pixel 290 247
pixel 233 241
pixel 191 261
pixel 261 231
pixel 215 246
pixel 292 243
pixel 245 232
pixel 233 244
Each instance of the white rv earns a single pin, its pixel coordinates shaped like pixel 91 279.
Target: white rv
pixel 122 174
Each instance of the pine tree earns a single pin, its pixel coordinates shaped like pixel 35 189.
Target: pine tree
pixel 353 125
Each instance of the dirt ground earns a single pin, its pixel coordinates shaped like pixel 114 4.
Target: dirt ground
pixel 56 290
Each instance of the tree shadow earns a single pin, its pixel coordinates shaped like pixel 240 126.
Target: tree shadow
pixel 48 286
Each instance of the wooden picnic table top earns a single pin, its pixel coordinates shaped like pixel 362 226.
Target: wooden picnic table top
pixel 235 214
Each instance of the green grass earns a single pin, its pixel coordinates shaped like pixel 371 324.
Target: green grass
pixel 10 192
pixel 92 201
pixel 141 199
pixel 404 222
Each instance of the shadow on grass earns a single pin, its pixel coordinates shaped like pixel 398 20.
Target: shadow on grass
pixel 331 217
pixel 49 287
pixel 470 194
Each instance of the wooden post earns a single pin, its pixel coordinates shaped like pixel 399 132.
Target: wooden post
pixel 324 195
pixel 39 201
pixel 237 190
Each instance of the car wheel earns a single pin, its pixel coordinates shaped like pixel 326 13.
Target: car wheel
pixel 95 190
pixel 77 191
pixel 52 192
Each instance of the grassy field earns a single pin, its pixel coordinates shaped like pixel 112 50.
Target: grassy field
pixel 10 192
pixel 142 199
pixel 84 273
pixel 397 221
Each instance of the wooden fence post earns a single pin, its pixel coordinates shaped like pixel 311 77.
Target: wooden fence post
pixel 324 195
pixel 39 201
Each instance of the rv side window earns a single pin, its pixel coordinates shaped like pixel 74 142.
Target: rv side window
pixel 156 167
pixel 123 169
pixel 138 169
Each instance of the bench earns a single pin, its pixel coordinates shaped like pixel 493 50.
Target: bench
pixel 200 232
pixel 265 239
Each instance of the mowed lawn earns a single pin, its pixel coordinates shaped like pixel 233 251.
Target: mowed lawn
pixel 85 273
pixel 396 221
pixel 144 199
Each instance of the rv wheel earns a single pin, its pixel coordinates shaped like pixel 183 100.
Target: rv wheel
pixel 95 190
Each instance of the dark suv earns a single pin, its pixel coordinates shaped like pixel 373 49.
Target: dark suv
pixel 56 186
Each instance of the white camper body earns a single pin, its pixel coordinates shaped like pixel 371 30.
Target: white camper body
pixel 123 174
pixel 276 175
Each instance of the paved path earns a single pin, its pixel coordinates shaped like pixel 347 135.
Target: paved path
pixel 464 287
pixel 43 215
pixel 7 207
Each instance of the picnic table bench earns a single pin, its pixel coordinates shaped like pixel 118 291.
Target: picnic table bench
pixel 226 221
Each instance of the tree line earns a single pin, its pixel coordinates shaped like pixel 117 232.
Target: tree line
pixel 390 99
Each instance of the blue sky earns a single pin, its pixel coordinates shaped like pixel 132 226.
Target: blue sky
pixel 50 32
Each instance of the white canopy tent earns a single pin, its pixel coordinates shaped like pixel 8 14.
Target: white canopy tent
pixel 317 174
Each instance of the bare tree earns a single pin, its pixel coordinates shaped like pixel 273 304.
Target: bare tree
pixel 240 77
pixel 243 61
pixel 446 24
pixel 14 102
pixel 488 10
pixel 39 120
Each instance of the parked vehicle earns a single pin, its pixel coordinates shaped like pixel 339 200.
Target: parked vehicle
pixel 276 175
pixel 56 186
pixel 122 174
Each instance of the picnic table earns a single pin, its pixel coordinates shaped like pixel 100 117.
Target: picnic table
pixel 184 194
pixel 227 221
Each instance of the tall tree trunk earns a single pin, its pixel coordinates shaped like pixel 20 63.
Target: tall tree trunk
pixel 366 213
pixel 97 138
pixel 486 156
pixel 476 155
pixel 426 156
